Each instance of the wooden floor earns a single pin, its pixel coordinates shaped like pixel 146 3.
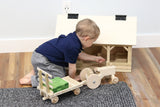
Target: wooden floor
pixel 144 80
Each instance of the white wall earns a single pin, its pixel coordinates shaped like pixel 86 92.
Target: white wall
pixel 27 19
pixel 145 10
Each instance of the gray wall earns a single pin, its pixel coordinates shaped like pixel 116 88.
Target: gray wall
pixel 37 18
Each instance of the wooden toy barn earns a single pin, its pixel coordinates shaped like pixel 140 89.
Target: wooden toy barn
pixel 117 36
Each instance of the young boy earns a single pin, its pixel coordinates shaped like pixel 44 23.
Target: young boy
pixel 52 56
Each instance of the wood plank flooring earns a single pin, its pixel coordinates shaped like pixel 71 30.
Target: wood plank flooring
pixel 144 80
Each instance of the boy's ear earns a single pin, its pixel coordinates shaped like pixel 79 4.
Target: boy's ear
pixel 86 38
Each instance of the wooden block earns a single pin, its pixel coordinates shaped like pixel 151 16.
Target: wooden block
pixel 59 84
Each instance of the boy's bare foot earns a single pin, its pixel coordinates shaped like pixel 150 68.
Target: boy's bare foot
pixel 26 80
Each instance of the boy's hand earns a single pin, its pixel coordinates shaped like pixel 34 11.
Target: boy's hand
pixel 77 78
pixel 72 72
pixel 99 59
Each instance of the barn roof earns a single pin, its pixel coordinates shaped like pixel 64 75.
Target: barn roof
pixel 113 32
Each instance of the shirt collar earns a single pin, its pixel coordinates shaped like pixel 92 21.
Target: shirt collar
pixel 76 37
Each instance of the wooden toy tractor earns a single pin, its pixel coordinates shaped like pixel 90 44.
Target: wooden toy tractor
pixel 93 78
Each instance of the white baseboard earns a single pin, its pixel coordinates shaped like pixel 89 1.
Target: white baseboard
pixel 20 45
pixel 28 45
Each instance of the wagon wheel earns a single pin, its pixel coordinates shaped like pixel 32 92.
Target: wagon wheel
pixel 77 91
pixel 114 79
pixel 93 81
pixel 42 93
pixel 85 72
pixel 54 100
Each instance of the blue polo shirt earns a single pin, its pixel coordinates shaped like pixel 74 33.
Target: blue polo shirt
pixel 61 50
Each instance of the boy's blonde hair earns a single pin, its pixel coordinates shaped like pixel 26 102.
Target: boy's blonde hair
pixel 87 27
